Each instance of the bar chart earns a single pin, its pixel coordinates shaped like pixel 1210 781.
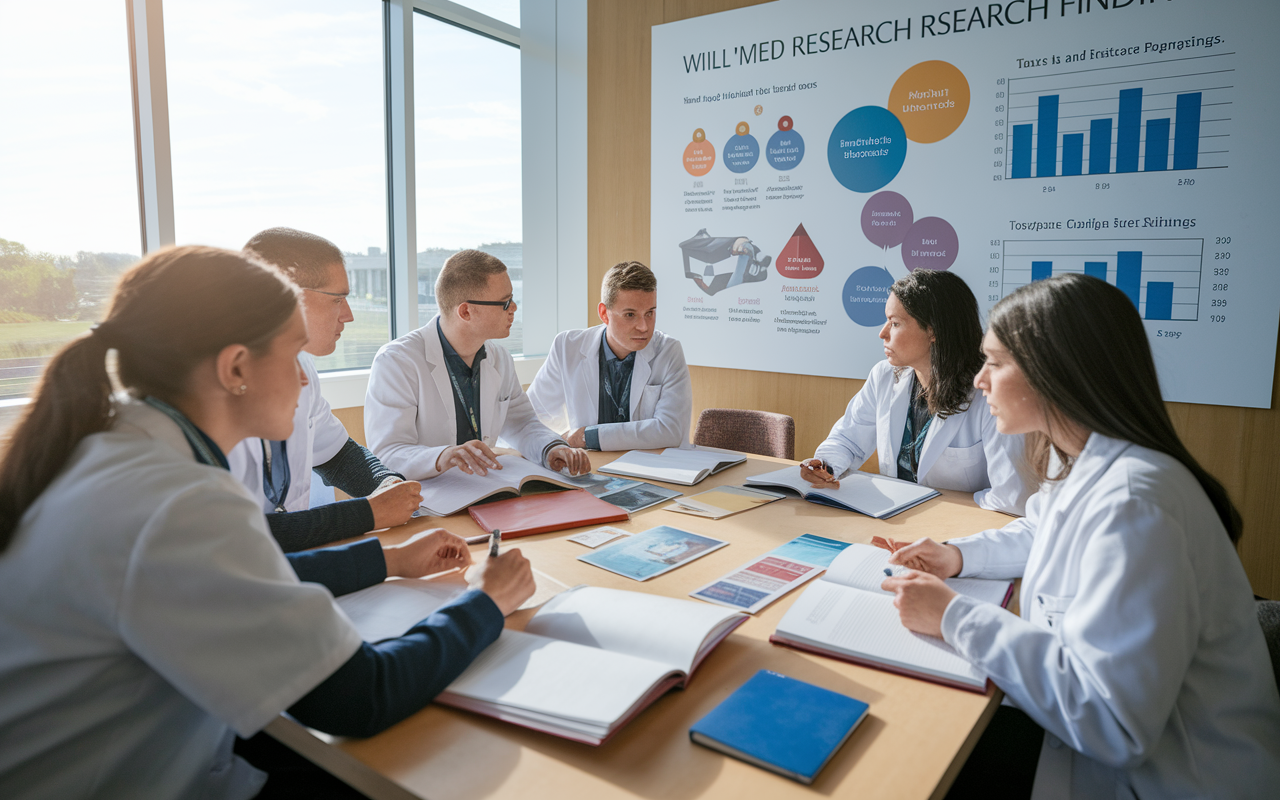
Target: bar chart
pixel 1160 276
pixel 1156 116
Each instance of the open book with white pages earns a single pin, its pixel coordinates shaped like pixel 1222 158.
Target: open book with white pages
pixel 590 660
pixel 846 615
pixel 876 496
pixel 685 466
pixel 454 490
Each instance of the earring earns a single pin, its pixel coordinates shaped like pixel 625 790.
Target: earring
pixel 243 388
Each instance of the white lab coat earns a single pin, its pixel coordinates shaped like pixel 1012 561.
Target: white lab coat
pixel 566 391
pixel 964 452
pixel 1138 649
pixel 409 416
pixel 317 437
pixel 146 617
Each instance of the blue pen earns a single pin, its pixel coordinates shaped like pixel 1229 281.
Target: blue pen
pixel 495 539
pixel 888 572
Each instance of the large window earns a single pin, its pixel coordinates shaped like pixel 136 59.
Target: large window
pixel 467 126
pixel 276 118
pixel 68 188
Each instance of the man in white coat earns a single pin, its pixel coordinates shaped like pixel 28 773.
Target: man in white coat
pixel 441 396
pixel 278 474
pixel 619 386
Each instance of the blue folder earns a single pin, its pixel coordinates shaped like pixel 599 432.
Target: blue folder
pixel 781 724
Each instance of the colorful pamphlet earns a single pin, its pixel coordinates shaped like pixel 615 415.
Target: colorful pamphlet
pixel 653 552
pixel 759 582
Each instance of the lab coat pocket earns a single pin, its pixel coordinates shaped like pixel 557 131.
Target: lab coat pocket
pixel 961 468
pixel 648 401
pixel 1048 611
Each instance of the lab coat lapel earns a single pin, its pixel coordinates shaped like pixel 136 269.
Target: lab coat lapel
pixel 889 435
pixel 589 376
pixel 491 419
pixel 433 354
pixel 941 433
pixel 640 375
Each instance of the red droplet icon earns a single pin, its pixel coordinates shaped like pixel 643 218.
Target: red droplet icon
pixel 800 258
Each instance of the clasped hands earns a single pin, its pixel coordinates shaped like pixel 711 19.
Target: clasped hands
pixel 921 596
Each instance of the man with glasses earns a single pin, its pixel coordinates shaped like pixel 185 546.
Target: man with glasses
pixel 441 396
pixel 279 473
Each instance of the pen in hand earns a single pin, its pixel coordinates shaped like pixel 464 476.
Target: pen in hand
pixel 495 539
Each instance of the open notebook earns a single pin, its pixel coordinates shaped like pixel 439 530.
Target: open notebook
pixel 674 465
pixel 590 660
pixel 454 490
pixel 845 614
pixel 874 495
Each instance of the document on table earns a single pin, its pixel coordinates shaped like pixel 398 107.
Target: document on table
pixel 759 582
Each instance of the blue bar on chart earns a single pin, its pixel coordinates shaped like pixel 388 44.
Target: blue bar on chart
pixel 1129 273
pixel 1156 156
pixel 1159 300
pixel 1047 137
pixel 1041 270
pixel 1186 133
pixel 1096 269
pixel 1129 132
pixel 1099 146
pixel 1022 151
pixel 1072 153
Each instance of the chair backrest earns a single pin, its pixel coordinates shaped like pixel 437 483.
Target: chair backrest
pixel 1269 618
pixel 760 432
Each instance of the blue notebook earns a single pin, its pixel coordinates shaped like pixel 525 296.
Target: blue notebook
pixel 781 724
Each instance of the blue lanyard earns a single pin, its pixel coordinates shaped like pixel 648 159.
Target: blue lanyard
pixel 276 491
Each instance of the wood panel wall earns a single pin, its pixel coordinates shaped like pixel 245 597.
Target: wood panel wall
pixel 1240 446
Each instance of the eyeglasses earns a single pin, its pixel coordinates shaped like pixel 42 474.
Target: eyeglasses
pixel 343 295
pixel 505 304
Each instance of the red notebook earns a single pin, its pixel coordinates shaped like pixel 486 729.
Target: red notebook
pixel 542 513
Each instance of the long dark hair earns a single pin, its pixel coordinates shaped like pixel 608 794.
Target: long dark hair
pixel 1082 347
pixel 170 311
pixel 943 302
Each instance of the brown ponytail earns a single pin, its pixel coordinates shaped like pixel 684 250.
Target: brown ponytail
pixel 171 310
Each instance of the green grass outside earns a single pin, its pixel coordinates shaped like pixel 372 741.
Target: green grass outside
pixel 34 339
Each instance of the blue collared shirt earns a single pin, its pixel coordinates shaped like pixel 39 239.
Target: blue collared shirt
pixel 615 391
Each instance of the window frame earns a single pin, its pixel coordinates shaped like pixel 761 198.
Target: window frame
pixel 552 39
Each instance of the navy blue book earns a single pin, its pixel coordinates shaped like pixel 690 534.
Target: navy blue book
pixel 781 724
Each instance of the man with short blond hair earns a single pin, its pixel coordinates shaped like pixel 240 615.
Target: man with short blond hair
pixel 619 386
pixel 442 396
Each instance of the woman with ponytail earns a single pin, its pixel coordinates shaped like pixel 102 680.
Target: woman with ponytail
pixel 1137 668
pixel 146 614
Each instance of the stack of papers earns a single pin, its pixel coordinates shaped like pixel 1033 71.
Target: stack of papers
pixel 673 465
pixel 722 502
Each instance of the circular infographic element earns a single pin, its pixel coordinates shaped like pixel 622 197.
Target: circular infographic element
pixel 866 149
pixel 931 99
pixel 759 110
pixel 785 147
pixel 886 218
pixel 742 150
pixel 865 294
pixel 699 155
pixel 931 243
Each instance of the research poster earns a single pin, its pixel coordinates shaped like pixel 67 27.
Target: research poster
pixel 808 153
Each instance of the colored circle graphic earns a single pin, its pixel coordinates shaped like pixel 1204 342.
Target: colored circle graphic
pixel 931 243
pixel 866 149
pixel 865 294
pixel 742 151
pixel 785 148
pixel 699 155
pixel 931 99
pixel 886 218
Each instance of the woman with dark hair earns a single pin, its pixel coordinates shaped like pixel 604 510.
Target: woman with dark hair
pixel 147 615
pixel 918 409
pixel 1138 651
